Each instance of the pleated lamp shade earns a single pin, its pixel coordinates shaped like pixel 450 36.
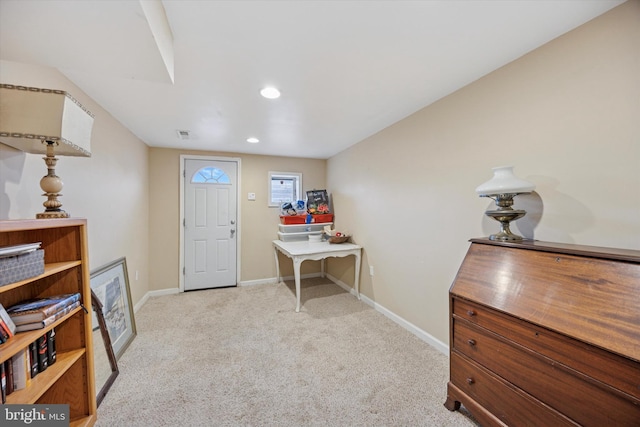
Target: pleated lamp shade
pixel 29 116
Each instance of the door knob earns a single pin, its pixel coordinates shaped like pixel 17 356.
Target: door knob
pixel 232 222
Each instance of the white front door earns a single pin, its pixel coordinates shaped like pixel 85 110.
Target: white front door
pixel 210 224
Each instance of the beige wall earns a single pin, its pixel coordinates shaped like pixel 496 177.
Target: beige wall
pixel 110 188
pixel 567 116
pixel 258 223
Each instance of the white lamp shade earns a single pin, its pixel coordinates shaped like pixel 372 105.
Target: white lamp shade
pixel 504 182
pixel 29 116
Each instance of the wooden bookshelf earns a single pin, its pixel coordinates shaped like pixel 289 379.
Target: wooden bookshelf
pixel 71 379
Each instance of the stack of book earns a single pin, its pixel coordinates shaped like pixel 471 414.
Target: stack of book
pixel 42 312
pixel 17 372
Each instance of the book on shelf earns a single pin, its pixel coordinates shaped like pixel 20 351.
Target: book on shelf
pixel 39 309
pixel 51 346
pixel 4 332
pixel 8 329
pixel 20 376
pixel 33 358
pixel 3 383
pixel 49 320
pixel 8 372
pixel 15 373
pixel 43 357
pixel 4 316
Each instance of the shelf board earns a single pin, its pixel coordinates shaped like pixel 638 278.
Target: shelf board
pixel 11 225
pixel 44 380
pixel 21 340
pixel 49 270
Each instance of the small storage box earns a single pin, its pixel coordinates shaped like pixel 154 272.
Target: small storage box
pixel 302 219
pixel 293 219
pixel 21 267
pixel 320 218
pixel 298 237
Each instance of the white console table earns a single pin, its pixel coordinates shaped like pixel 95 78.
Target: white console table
pixel 305 250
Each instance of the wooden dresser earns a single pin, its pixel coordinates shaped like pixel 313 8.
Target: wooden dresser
pixel 546 334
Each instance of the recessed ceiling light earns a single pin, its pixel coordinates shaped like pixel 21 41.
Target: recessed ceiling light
pixel 270 93
pixel 253 140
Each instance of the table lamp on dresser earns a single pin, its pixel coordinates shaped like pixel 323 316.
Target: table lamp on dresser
pixel 502 188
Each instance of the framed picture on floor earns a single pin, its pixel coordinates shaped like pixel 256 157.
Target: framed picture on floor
pixel 110 283
pixel 105 365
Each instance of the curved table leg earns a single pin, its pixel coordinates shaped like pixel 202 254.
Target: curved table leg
pixel 357 274
pixel 296 274
pixel 275 251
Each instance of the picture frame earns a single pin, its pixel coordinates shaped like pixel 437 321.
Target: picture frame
pixel 110 283
pixel 104 359
pixel 318 202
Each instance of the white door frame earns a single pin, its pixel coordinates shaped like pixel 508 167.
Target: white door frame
pixel 183 159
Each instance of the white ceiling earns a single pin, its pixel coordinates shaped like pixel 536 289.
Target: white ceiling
pixel 346 69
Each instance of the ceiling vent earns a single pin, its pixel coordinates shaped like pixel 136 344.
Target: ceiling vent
pixel 183 134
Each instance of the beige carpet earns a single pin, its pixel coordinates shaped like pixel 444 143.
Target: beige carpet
pixel 243 357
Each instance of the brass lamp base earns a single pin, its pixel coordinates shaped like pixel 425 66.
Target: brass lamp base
pixel 504 217
pixel 53 214
pixel 51 184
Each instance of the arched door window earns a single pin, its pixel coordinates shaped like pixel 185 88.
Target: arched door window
pixel 210 175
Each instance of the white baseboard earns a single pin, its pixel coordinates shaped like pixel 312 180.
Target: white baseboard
pixel 270 281
pixel 273 280
pixel 150 294
pixel 423 335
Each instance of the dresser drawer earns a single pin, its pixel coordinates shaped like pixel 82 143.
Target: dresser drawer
pixel 620 372
pixel 581 398
pixel 509 404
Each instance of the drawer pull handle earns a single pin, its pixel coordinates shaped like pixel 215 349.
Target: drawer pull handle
pixel 470 381
pixel 471 342
pixel 471 312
